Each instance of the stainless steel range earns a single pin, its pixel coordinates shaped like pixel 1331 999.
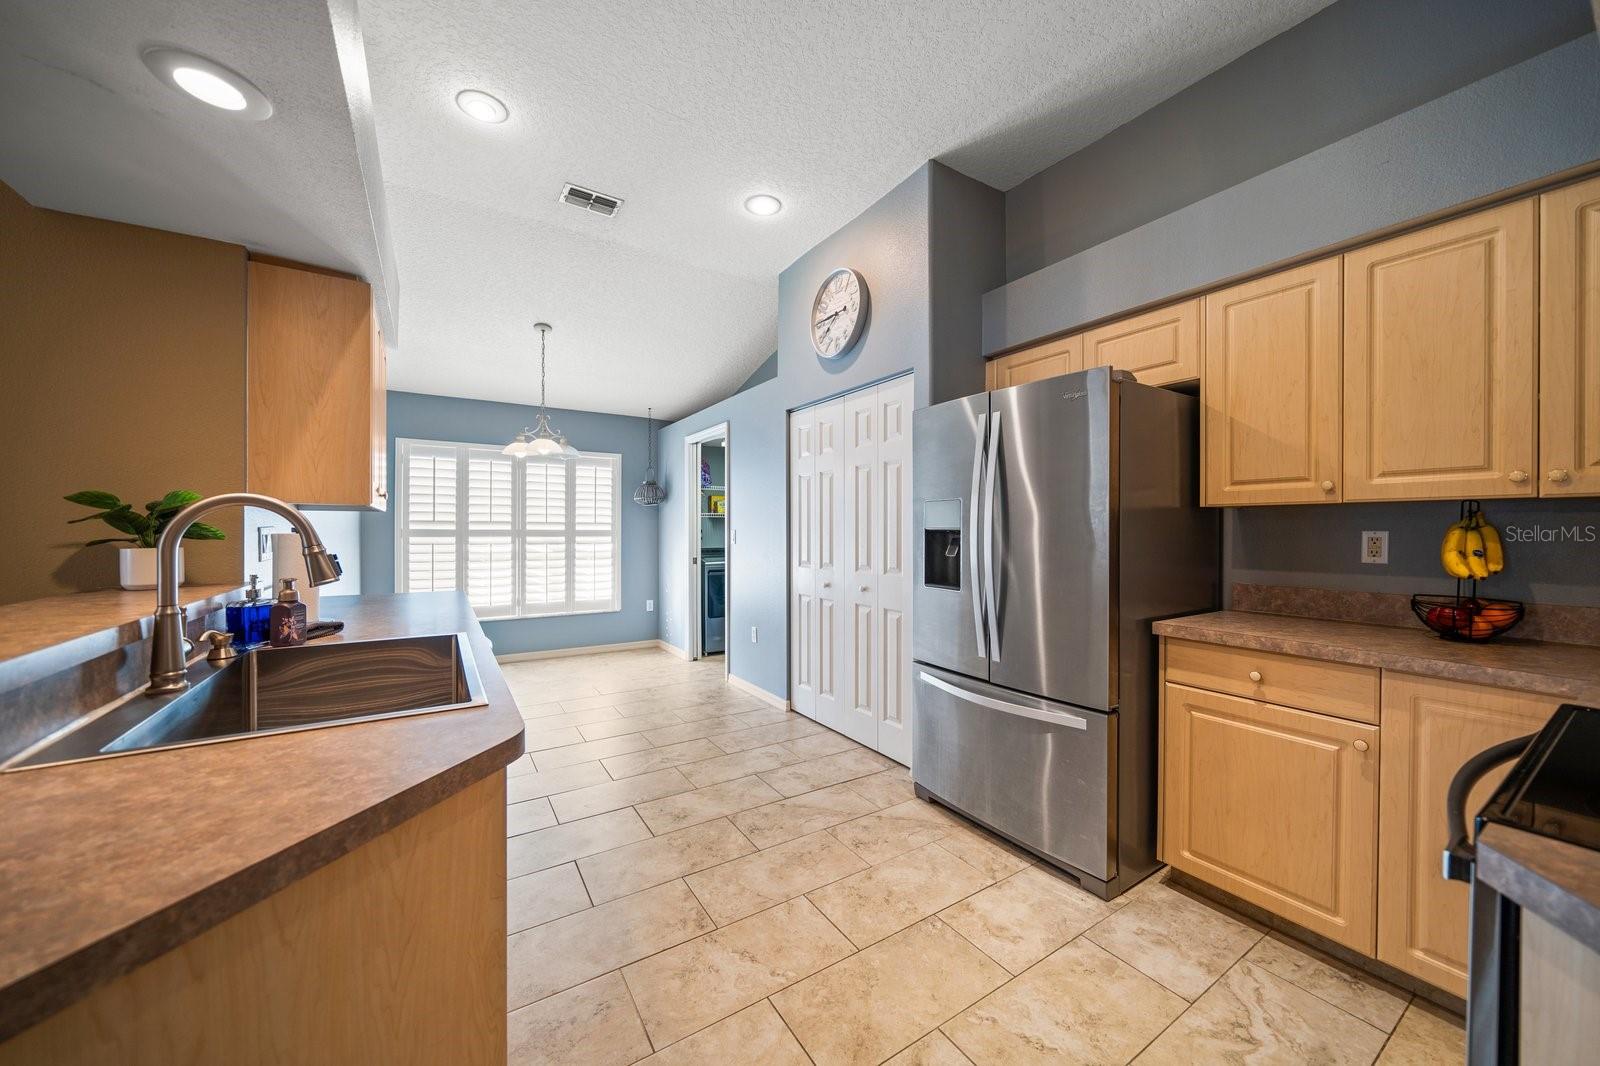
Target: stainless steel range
pixel 1055 522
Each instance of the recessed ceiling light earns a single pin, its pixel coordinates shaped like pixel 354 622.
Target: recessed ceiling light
pixel 763 204
pixel 209 82
pixel 481 106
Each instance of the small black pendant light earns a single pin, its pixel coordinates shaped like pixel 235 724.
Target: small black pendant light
pixel 649 494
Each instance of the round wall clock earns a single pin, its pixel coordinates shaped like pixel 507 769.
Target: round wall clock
pixel 839 313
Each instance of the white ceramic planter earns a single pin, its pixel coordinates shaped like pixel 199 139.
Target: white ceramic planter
pixel 137 568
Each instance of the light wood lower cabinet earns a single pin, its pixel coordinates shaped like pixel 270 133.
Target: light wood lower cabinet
pixel 1064 355
pixel 1440 367
pixel 1430 728
pixel 1271 396
pixel 1160 347
pixel 1277 806
pixel 392 953
pixel 1569 341
pixel 1308 815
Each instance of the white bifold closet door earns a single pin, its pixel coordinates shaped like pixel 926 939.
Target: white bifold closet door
pixel 850 551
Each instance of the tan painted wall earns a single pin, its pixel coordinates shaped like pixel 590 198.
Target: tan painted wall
pixel 122 367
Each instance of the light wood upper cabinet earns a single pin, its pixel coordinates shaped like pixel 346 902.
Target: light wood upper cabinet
pixel 315 389
pixel 1430 728
pixel 1271 393
pixel 1569 341
pixel 1439 361
pixel 1160 347
pixel 1277 806
pixel 1064 355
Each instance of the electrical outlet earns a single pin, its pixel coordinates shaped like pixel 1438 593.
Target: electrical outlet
pixel 753 635
pixel 649 605
pixel 1375 546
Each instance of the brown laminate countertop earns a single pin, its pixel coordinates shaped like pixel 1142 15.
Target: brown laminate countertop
pixel 107 864
pixel 38 637
pixel 1569 671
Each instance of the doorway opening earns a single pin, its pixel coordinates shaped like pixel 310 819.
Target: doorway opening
pixel 708 470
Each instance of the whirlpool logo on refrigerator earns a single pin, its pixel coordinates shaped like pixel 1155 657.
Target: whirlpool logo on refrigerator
pixel 1080 394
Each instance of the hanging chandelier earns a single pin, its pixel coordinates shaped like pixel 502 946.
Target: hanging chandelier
pixel 542 440
pixel 649 494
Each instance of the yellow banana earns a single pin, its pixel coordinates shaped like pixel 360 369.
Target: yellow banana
pixel 1494 553
pixel 1453 552
pixel 1477 553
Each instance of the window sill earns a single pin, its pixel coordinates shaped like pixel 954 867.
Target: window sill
pixel 549 614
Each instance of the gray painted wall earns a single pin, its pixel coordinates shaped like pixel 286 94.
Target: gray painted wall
pixel 1552 548
pixel 1352 65
pixel 966 255
pixel 452 419
pixel 928 249
pixel 1537 118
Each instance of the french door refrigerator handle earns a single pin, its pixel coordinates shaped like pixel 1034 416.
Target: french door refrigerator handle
pixel 991 578
pixel 1071 721
pixel 973 555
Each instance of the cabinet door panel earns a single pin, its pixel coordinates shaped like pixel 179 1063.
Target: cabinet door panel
pixel 1275 805
pixel 1160 347
pixel 1439 357
pixel 1569 341
pixel 313 418
pixel 379 430
pixel 1063 355
pixel 1430 728
pixel 1271 394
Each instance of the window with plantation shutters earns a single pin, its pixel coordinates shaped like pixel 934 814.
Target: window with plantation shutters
pixel 522 537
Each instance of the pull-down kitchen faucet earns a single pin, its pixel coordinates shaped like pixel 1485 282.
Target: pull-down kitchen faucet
pixel 167 666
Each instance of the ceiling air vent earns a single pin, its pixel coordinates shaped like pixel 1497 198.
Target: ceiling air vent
pixel 589 200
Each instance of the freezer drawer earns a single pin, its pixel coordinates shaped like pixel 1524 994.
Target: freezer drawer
pixel 1039 772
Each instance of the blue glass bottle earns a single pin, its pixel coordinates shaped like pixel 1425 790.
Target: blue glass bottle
pixel 247 618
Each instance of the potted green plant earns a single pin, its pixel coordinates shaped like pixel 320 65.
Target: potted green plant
pixel 137 565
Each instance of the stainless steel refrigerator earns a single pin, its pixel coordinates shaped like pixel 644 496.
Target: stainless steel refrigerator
pixel 1055 522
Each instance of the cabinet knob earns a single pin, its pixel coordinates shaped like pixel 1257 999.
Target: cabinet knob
pixel 1518 476
pixel 1327 486
pixel 1360 745
pixel 864 588
pixel 380 492
pixel 1255 675
pixel 1560 477
pixel 827 584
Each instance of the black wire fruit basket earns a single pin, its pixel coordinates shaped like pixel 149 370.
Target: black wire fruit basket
pixel 1466 616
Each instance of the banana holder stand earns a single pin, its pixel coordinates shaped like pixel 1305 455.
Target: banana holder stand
pixel 1471 551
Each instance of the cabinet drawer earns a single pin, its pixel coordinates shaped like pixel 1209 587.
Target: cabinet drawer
pixel 1332 688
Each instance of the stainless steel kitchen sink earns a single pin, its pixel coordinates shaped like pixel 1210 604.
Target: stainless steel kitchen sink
pixel 276 690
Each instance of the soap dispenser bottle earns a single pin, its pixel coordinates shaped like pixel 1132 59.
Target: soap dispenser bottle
pixel 288 619
pixel 247 619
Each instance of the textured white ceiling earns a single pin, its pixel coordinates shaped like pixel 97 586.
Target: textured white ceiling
pixel 684 109
pixel 86 128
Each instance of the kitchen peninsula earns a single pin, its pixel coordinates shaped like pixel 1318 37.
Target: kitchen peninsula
pixel 210 902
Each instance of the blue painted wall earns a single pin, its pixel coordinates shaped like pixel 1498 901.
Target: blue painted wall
pixel 448 418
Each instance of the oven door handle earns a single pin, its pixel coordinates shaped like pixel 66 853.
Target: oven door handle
pixel 1460 854
pixel 1038 714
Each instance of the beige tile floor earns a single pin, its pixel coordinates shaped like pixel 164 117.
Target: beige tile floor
pixel 697 877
